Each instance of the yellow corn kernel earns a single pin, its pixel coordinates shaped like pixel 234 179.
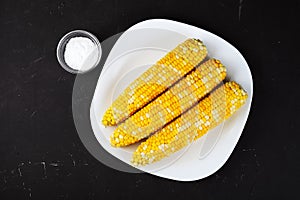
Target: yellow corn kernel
pixel 172 103
pixel 156 80
pixel 196 122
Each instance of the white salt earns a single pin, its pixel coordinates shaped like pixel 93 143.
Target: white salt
pixel 81 53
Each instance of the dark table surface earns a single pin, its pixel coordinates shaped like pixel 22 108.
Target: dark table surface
pixel 41 155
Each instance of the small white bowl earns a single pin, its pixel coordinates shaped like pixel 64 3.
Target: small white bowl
pixel 62 45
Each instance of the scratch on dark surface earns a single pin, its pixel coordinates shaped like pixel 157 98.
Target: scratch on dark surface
pixel 248 150
pixel 29 189
pixel 33 113
pixel 38 59
pixel 54 164
pixel 61 78
pixel 44 168
pixel 7 176
pixel 73 161
pixel 240 9
pixel 60 7
pixel 20 173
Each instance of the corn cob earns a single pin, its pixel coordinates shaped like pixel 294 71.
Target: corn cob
pixel 170 104
pixel 210 112
pixel 156 80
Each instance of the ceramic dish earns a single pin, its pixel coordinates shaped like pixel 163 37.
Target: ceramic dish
pixel 135 51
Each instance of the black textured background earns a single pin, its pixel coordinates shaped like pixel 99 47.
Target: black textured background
pixel 41 156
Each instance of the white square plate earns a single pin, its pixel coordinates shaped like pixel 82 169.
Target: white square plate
pixel 135 51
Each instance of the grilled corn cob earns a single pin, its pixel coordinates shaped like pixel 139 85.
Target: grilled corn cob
pixel 170 104
pixel 156 80
pixel 210 112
